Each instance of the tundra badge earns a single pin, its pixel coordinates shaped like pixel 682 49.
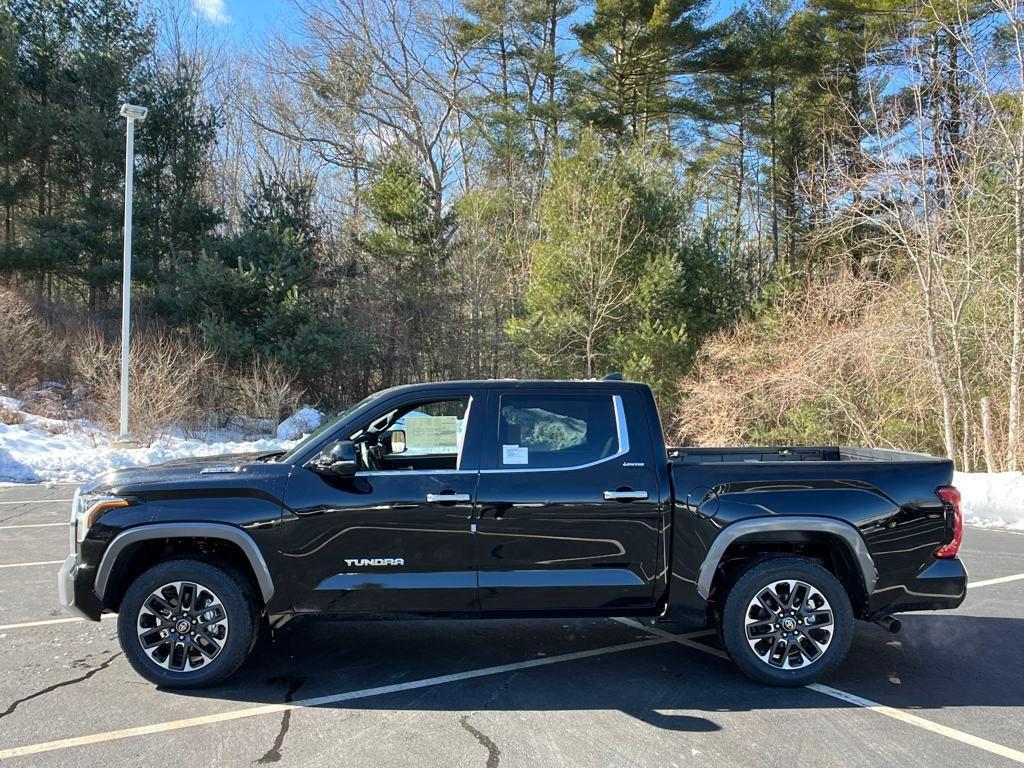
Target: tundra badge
pixel 361 561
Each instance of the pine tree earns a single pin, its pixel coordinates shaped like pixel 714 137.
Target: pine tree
pixel 637 50
pixel 258 292
pixel 408 250
pixel 174 145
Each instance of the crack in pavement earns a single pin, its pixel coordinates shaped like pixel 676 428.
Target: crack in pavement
pixel 273 754
pixel 51 688
pixel 16 515
pixel 493 753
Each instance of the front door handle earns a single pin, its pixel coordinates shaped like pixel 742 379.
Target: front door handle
pixel 624 495
pixel 435 498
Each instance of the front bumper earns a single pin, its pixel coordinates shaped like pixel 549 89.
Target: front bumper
pixel 940 586
pixel 74 585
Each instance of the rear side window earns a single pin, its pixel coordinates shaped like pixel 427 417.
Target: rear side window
pixel 551 431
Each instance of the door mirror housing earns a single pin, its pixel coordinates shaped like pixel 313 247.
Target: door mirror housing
pixel 397 441
pixel 338 459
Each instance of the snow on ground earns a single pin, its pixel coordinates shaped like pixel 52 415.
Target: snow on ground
pixel 42 449
pixel 992 499
pixel 301 423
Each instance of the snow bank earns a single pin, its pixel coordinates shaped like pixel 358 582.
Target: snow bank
pixel 992 499
pixel 301 423
pixel 42 449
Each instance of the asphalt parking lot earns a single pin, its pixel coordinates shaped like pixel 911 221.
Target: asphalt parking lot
pixel 949 689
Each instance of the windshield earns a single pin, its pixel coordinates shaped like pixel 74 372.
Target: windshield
pixel 326 427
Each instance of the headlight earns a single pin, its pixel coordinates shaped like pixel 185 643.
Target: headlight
pixel 86 507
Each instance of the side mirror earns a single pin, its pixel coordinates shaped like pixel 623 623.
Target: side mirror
pixel 397 441
pixel 338 459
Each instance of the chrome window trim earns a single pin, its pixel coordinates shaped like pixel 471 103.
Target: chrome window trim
pixel 622 434
pixel 389 472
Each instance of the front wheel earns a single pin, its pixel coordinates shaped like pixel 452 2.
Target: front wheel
pixel 787 621
pixel 187 624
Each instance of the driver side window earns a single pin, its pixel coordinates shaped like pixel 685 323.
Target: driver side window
pixel 414 436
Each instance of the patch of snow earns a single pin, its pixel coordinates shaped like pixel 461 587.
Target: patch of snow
pixel 992 499
pixel 302 422
pixel 45 450
pixel 10 403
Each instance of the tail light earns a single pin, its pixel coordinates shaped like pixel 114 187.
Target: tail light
pixel 951 500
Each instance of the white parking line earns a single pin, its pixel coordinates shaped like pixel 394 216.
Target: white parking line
pixel 46 622
pixel 943 730
pixel 1000 580
pixel 874 706
pixel 319 701
pixel 26 565
pixel 38 501
pixel 995 530
pixel 33 525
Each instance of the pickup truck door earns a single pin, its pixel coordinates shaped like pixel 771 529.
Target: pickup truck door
pixel 396 536
pixel 568 503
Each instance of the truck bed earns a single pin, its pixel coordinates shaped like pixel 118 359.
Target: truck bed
pixel 775 453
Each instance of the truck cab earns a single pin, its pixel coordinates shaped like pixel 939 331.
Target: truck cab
pixel 509 498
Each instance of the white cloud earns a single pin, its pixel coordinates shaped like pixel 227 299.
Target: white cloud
pixel 212 10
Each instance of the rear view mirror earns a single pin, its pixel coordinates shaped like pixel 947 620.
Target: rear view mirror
pixel 338 459
pixel 397 441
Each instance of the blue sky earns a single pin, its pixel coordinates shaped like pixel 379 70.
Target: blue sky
pixel 242 18
pixel 247 19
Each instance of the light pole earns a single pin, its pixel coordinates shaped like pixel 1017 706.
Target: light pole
pixel 132 113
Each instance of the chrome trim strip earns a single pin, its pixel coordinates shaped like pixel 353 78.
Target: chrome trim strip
pixel 622 432
pixel 390 472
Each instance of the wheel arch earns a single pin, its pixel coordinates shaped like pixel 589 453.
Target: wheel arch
pixel 122 556
pixel 792 529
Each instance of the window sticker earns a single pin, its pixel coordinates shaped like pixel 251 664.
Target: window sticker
pixel 515 454
pixel 431 434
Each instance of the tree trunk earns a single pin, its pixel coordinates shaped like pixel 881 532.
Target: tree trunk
pixel 740 180
pixel 986 434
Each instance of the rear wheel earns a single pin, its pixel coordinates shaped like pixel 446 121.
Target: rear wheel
pixel 787 621
pixel 187 624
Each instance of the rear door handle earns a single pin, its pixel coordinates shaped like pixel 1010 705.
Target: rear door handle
pixel 624 495
pixel 435 498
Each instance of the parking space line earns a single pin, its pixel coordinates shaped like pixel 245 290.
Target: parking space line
pixel 995 530
pixel 319 701
pixel 1000 580
pixel 850 698
pixel 943 730
pixel 39 501
pixel 26 565
pixel 48 622
pixel 33 525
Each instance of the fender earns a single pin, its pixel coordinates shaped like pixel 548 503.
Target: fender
pixel 787 523
pixel 185 531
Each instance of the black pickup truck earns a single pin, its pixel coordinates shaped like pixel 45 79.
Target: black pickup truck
pixel 512 499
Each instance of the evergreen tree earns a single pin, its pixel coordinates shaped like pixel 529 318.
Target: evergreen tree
pixel 258 292
pixel 173 216
pixel 637 50
pixel 407 249
pixel 616 273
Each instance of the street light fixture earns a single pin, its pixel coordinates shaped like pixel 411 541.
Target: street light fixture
pixel 132 113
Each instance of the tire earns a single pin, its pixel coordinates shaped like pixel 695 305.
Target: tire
pixel 217 605
pixel 787 621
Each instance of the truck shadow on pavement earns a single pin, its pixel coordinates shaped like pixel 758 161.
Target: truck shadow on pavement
pixel 938 661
